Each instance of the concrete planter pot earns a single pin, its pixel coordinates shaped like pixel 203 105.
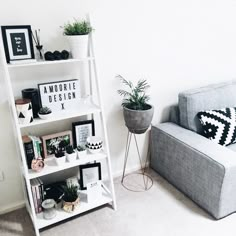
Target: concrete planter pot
pixel 138 121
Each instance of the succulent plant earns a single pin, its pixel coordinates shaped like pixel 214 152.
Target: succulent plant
pixel 81 148
pixel 69 149
pixel 70 193
pixel 59 152
pixel 45 111
pixel 77 28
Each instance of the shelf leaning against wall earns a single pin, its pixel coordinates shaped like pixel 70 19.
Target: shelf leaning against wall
pixel 31 179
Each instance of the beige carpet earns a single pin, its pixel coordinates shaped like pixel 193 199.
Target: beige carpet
pixel 162 210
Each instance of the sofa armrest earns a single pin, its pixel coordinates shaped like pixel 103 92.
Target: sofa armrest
pixel 200 168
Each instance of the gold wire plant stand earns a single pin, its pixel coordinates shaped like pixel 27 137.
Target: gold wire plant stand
pixel 138 181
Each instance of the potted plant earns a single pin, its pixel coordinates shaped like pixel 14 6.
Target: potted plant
pixel 70 154
pixel 81 151
pixel 44 113
pixel 137 112
pixel 70 198
pixel 60 156
pixel 77 34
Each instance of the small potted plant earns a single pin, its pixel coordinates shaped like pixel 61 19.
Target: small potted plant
pixel 77 34
pixel 70 154
pixel 70 198
pixel 137 112
pixel 81 150
pixel 60 156
pixel 45 113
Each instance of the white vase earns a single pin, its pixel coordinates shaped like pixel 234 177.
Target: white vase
pixel 24 111
pixel 60 160
pixel 71 157
pixel 78 45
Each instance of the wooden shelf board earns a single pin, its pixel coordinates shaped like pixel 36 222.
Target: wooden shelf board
pixel 41 63
pixel 52 167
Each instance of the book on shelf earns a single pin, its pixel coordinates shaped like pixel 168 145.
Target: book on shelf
pixel 38 194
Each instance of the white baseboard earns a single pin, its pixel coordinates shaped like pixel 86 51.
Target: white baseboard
pixel 12 207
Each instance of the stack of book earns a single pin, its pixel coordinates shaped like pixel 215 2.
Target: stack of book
pixel 38 194
pixel 33 148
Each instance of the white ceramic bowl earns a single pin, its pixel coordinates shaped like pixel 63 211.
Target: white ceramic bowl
pixel 94 141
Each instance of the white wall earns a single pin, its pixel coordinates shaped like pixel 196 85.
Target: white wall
pixel 175 45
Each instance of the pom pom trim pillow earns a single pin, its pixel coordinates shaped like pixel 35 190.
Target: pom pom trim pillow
pixel 219 125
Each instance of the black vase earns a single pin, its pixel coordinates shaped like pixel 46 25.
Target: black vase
pixel 33 95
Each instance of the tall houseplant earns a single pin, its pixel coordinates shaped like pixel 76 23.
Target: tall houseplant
pixel 137 112
pixel 77 34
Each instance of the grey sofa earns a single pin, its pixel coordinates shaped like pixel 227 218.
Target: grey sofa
pixel 203 170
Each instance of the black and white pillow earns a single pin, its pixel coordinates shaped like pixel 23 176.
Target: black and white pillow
pixel 219 125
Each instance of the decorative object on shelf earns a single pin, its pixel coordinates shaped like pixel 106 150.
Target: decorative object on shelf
pixel 70 198
pixel 72 181
pixel 45 113
pixel 29 149
pixel 56 55
pixel 81 130
pixel 81 150
pixel 49 209
pixel 38 45
pixel 71 155
pixel 77 36
pixel 60 156
pixel 94 144
pixel 137 112
pixel 54 191
pixel 94 191
pixel 24 111
pixel 89 173
pixel 33 95
pixel 60 95
pixel 37 164
pixel 17 42
pixel 55 142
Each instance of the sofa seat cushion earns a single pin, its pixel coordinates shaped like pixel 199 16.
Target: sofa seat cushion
pixel 206 98
pixel 219 125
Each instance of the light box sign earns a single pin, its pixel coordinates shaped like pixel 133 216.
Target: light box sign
pixel 61 95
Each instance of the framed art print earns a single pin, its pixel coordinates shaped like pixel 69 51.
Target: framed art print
pixel 54 141
pixel 81 130
pixel 89 173
pixel 60 95
pixel 17 42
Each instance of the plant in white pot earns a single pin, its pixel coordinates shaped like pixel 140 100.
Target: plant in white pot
pixel 45 113
pixel 81 150
pixel 70 154
pixel 137 112
pixel 60 156
pixel 77 35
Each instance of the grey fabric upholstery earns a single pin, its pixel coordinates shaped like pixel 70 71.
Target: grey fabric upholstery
pixel 203 170
pixel 210 97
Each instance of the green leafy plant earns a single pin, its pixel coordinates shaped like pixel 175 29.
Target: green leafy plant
pixel 59 152
pixel 77 28
pixel 45 111
pixel 69 149
pixel 135 98
pixel 70 193
pixel 81 148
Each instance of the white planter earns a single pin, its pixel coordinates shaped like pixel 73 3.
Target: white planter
pixel 24 111
pixel 71 157
pixel 82 154
pixel 78 45
pixel 60 160
pixel 45 117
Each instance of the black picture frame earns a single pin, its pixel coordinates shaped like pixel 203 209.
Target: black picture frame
pixel 18 43
pixel 80 138
pixel 89 173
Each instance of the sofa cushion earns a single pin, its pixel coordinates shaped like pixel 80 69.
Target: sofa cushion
pixel 219 125
pixel 206 98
